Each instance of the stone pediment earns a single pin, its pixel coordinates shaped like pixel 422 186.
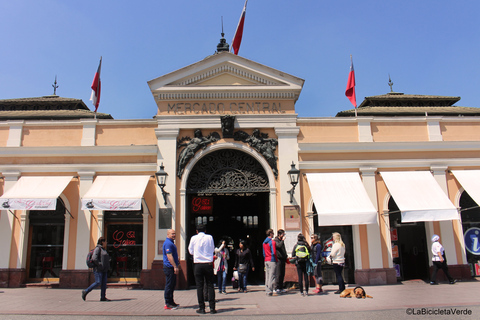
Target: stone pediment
pixel 225 76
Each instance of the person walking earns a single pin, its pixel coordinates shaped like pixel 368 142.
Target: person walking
pixel 282 261
pixel 243 263
pixel 220 266
pixel 337 257
pixel 101 259
pixel 317 260
pixel 201 247
pixel 439 261
pixel 270 255
pixel 301 253
pixel 171 267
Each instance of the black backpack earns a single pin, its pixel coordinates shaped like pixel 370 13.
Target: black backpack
pixel 301 252
pixel 90 262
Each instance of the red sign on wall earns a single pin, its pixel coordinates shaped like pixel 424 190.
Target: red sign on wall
pixel 202 205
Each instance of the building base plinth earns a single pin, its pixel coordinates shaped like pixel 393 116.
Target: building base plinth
pixel 375 276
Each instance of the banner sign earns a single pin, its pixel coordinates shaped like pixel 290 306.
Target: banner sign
pixel 112 204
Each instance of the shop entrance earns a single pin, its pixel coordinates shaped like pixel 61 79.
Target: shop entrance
pixel 124 230
pixel 228 191
pixel 409 246
pixel 46 237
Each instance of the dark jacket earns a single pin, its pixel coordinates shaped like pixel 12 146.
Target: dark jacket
pixel 300 243
pixel 243 257
pixel 101 259
pixel 281 251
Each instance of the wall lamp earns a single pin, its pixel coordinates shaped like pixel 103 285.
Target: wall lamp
pixel 161 176
pixel 293 175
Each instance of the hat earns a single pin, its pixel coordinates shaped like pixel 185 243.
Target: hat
pixel 435 238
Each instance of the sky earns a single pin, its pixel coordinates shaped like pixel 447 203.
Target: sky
pixel 428 47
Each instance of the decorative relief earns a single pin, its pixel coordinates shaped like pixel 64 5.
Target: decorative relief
pixel 192 146
pixel 227 171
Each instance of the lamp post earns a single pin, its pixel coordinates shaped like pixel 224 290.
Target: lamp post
pixel 161 176
pixel 293 175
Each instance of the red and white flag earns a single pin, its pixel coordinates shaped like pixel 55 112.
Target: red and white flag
pixel 237 38
pixel 350 91
pixel 96 87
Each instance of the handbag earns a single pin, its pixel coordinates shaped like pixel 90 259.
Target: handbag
pixel 242 268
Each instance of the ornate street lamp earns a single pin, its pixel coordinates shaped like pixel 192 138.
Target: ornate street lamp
pixel 161 176
pixel 293 175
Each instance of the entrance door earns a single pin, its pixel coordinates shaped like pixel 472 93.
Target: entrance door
pixel 124 230
pixel 45 250
pixel 228 191
pixel 410 252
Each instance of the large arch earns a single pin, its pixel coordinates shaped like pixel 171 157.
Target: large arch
pixel 217 147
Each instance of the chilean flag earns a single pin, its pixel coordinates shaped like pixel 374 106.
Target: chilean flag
pixel 237 38
pixel 96 87
pixel 350 91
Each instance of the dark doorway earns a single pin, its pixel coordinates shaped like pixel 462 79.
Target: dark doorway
pixel 325 235
pixel 228 191
pixel 409 246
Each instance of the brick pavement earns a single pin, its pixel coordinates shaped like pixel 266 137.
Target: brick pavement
pixel 415 294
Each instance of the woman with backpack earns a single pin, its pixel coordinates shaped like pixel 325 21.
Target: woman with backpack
pixel 101 261
pixel 317 260
pixel 337 257
pixel 300 254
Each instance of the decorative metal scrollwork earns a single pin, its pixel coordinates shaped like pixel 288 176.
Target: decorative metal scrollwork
pixel 194 144
pixel 227 171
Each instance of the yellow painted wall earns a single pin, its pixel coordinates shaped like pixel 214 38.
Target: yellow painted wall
pixel 395 131
pixel 125 135
pixel 328 132
pixel 52 136
pixel 4 132
pixel 72 192
pixel 460 131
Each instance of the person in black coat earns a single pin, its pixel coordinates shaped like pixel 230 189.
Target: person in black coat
pixel 282 260
pixel 243 263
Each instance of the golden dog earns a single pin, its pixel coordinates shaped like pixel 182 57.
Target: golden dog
pixel 357 292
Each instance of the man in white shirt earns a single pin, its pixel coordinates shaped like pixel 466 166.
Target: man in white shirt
pixel 201 247
pixel 439 261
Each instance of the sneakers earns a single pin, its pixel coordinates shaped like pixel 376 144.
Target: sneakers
pixel 453 281
pixel 84 294
pixel 338 292
pixel 201 311
pixel 213 311
pixel 224 292
pixel 433 283
pixel 105 299
pixel 170 307
pixel 304 294
pixel 278 291
pixel 283 291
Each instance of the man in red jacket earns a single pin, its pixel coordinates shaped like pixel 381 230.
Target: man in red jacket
pixel 270 254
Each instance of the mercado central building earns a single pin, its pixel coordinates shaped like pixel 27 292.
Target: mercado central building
pixel 237 157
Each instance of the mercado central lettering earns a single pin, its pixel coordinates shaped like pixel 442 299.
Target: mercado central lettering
pixel 222 108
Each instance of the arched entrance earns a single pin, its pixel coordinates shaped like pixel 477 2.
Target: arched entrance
pixel 409 246
pixel 228 191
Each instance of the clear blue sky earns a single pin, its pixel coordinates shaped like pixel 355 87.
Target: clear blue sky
pixel 428 47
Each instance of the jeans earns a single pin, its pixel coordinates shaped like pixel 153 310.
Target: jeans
pixel 269 276
pixel 204 275
pixel 242 280
pixel 338 271
pixel 170 283
pixel 100 279
pixel 222 279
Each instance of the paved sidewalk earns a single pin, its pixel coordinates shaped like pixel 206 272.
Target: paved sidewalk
pixel 137 302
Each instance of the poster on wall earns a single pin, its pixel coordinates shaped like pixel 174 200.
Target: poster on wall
pixel 292 217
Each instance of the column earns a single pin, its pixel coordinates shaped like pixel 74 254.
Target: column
pixel 6 222
pixel 83 222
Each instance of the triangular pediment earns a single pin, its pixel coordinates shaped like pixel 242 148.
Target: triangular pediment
pixel 223 70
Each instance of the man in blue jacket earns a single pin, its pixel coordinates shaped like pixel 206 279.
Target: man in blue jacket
pixel 171 267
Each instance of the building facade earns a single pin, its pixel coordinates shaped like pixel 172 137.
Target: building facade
pixel 226 133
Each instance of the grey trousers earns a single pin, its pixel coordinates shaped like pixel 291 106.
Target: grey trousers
pixel 270 268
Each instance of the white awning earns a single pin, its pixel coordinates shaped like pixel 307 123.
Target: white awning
pixel 419 197
pixel 119 193
pixel 341 199
pixel 470 181
pixel 35 193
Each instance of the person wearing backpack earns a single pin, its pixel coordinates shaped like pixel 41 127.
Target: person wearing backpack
pixel 101 261
pixel 300 254
pixel 317 261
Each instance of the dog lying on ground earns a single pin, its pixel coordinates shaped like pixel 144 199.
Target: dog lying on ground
pixel 357 292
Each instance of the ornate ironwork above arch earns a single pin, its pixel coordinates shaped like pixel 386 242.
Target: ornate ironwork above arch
pixel 227 171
